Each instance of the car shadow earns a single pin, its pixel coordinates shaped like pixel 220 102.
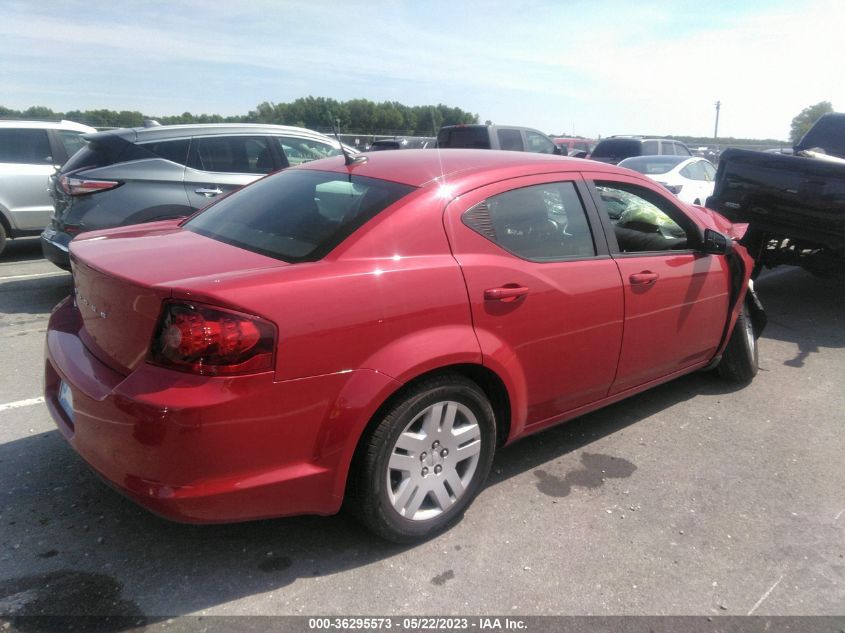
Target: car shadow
pixel 804 310
pixel 35 296
pixel 101 549
pixel 24 249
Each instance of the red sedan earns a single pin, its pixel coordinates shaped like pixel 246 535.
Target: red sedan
pixel 374 331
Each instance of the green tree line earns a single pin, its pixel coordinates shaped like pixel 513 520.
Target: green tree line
pixel 360 116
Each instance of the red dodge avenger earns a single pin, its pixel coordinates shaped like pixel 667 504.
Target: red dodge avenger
pixel 369 332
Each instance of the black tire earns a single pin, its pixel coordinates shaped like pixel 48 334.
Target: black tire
pixel 2 238
pixel 740 361
pixel 376 488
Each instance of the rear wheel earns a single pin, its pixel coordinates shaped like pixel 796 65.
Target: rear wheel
pixel 2 237
pixel 740 361
pixel 426 460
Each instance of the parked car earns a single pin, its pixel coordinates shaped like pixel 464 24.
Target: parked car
pixel 135 175
pixel 402 142
pixel 372 333
pixel 615 149
pixel 578 147
pixel 29 152
pixel 507 137
pixel 691 179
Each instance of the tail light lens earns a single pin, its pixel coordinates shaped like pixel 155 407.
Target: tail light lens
pixel 82 186
pixel 212 341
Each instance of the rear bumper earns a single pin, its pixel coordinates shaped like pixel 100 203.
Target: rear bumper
pixel 207 449
pixel 54 245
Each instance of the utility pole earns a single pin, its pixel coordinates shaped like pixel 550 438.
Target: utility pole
pixel 716 131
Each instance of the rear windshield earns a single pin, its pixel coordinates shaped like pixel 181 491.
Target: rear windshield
pixel 653 164
pixel 617 148
pixel 296 215
pixel 107 149
pixel 466 137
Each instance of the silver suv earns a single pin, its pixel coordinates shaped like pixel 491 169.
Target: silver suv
pixel 30 151
pixel 135 175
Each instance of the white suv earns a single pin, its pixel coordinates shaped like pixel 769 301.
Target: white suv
pixel 30 151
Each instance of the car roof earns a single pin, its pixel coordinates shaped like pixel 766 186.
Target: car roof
pixel 420 167
pixel 49 125
pixel 164 132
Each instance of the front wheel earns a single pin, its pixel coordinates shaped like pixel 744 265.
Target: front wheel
pixel 426 460
pixel 2 237
pixel 741 359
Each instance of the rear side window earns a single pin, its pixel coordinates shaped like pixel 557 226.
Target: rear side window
pixel 25 147
pixel 666 147
pixel 650 148
pixel 510 140
pixel 234 154
pixel 540 223
pixel 297 215
pixel 694 171
pixel 175 151
pixel 466 137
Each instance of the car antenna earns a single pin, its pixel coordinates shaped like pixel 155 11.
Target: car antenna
pixel 349 160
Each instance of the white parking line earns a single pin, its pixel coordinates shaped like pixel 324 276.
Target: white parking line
pixel 33 276
pixel 21 403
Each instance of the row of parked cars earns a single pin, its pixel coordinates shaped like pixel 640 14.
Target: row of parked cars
pixel 130 176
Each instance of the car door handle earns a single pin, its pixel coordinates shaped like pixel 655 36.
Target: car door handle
pixel 209 193
pixel 505 293
pixel 645 278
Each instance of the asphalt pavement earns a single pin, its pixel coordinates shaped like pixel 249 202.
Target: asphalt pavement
pixel 696 498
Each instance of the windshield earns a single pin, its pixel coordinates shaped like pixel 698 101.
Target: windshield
pixel 296 215
pixel 653 164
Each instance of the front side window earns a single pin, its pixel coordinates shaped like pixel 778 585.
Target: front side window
pixel 303 150
pixel 234 154
pixel 25 147
pixel 175 151
pixel 642 220
pixel 539 143
pixel 296 215
pixel 540 223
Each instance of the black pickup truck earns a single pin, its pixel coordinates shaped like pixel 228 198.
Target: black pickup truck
pixel 794 205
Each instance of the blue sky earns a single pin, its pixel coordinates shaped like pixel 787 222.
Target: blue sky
pixel 591 67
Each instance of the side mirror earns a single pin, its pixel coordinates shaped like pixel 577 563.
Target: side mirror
pixel 715 243
pixel 578 154
pixel 560 151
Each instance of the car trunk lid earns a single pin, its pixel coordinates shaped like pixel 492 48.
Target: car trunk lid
pixel 121 277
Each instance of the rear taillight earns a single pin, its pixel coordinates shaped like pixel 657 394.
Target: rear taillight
pixel 212 341
pixel 81 186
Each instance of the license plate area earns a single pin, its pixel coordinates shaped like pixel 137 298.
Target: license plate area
pixel 66 400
